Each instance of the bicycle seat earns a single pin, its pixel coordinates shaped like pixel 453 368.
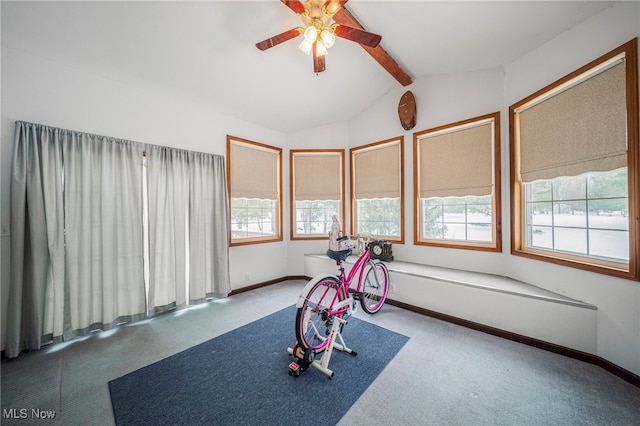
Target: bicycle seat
pixel 338 256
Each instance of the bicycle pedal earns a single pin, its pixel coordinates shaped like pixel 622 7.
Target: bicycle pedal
pixel 294 366
pixel 295 369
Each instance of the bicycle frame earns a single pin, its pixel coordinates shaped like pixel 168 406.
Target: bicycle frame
pixel 358 268
pixel 344 284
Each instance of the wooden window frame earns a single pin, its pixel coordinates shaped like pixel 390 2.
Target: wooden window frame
pixel 632 271
pixel 496 244
pixel 352 153
pixel 278 151
pixel 292 201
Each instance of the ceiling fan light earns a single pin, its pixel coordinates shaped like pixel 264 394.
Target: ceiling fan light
pixel 321 49
pixel 328 38
pixel 311 34
pixel 305 46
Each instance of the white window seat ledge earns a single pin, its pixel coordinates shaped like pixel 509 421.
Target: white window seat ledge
pixel 490 300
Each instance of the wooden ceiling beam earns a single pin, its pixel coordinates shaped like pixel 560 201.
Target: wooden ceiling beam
pixel 344 17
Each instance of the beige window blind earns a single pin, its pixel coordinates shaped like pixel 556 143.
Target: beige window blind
pixel 317 176
pixel 457 163
pixel 254 171
pixel 581 129
pixel 377 171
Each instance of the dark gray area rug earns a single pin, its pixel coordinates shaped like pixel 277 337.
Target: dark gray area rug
pixel 241 378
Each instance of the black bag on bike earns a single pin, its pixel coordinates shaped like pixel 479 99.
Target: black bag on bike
pixel 381 249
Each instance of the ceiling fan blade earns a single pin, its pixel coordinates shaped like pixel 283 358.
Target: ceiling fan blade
pixel 280 38
pixel 318 60
pixel 359 36
pixel 294 5
pixel 343 17
pixel 330 7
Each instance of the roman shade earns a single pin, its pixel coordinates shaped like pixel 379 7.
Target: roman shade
pixel 317 176
pixel 457 163
pixel 581 129
pixel 255 171
pixel 377 171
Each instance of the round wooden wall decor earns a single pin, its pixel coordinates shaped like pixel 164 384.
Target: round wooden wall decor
pixel 407 110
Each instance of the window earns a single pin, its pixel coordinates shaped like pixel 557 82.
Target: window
pixel 255 187
pixel 586 215
pixel 377 193
pixel 317 192
pixel 574 156
pixel 457 184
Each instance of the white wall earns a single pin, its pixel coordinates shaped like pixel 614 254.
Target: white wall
pixel 448 98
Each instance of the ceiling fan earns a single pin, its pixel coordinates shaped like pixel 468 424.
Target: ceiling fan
pixel 324 20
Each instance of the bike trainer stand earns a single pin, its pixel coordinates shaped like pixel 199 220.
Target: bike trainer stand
pixel 306 359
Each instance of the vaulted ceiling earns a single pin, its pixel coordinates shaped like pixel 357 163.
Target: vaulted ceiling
pixel 206 49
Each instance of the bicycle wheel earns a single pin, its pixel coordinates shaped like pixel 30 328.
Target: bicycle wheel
pixel 313 323
pixel 375 288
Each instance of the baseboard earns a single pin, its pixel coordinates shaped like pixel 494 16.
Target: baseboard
pixel 626 375
pixel 266 283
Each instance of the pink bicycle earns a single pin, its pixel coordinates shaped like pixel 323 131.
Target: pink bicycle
pixel 328 300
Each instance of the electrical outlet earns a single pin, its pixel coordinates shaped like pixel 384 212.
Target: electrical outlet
pixel 392 288
pixel 247 276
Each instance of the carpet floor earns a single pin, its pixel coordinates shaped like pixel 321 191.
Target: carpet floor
pixel 444 375
pixel 241 378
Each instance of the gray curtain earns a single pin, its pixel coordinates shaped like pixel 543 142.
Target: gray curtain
pixel 77 241
pixel 168 194
pixel 76 216
pixel 103 232
pixel 188 228
pixel 36 294
pixel 208 231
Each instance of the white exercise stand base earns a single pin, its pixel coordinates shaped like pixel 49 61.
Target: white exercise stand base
pixel 306 359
